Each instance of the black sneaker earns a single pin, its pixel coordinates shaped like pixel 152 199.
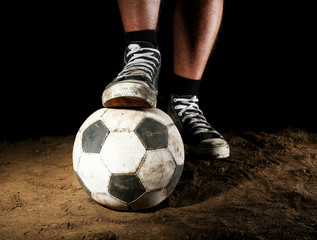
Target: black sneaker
pixel 136 84
pixel 199 137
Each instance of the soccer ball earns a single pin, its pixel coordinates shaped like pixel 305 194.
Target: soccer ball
pixel 128 159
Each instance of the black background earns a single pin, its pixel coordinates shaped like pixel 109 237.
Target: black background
pixel 58 57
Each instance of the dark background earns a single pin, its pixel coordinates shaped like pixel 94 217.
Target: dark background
pixel 58 57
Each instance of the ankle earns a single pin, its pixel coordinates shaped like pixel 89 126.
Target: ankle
pixel 141 36
pixel 184 86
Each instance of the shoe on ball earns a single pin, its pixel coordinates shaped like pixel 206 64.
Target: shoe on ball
pixel 136 84
pixel 199 137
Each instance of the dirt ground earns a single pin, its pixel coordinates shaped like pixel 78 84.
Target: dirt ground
pixel 267 189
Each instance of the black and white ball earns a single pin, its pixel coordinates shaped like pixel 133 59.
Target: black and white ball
pixel 128 159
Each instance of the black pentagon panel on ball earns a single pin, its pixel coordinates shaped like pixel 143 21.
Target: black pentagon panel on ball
pixel 152 133
pixel 175 178
pixel 126 187
pixel 94 136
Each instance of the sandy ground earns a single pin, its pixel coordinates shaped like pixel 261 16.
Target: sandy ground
pixel 267 189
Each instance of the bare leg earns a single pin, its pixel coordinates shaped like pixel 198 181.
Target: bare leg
pixel 139 14
pixel 196 25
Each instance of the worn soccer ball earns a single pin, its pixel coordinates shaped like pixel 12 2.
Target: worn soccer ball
pixel 128 159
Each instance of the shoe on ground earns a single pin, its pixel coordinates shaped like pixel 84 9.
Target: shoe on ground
pixel 199 137
pixel 136 84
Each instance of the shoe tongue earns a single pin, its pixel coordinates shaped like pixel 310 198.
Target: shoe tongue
pixel 142 44
pixel 186 96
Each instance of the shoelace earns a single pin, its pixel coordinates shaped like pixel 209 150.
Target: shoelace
pixel 189 110
pixel 142 63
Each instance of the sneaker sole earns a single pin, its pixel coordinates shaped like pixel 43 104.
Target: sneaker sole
pixel 129 95
pixel 210 153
